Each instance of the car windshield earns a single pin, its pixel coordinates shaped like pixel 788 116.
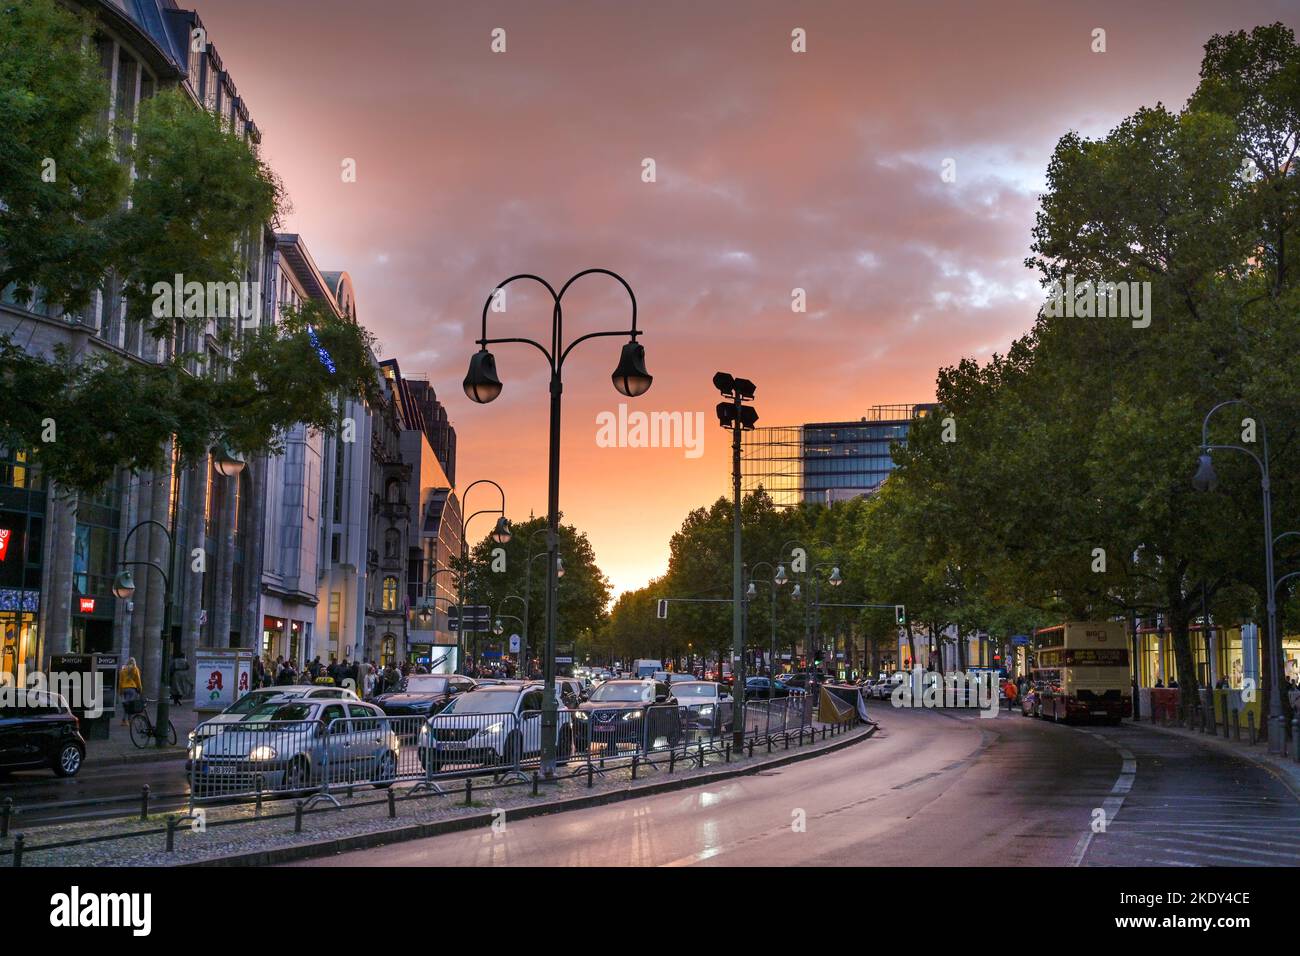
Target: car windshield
pixel 279 710
pixel 695 689
pixel 491 701
pixel 425 684
pixel 253 700
pixel 616 693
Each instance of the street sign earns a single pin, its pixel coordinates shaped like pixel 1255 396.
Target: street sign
pixel 1020 640
pixel 663 609
pixel 514 643
pixel 564 660
pixel 477 618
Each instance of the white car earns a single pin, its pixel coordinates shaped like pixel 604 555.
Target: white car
pixel 708 705
pixel 498 724
pixel 254 699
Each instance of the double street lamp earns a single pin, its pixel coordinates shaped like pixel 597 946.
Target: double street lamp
pixel 1206 479
pixel 482 385
pixel 501 534
pixel 228 464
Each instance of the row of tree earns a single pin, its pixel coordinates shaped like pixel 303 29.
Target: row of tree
pixel 1055 480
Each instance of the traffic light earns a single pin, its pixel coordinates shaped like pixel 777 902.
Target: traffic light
pixel 900 615
pixel 663 609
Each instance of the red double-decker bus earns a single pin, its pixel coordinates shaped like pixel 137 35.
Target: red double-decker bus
pixel 1081 672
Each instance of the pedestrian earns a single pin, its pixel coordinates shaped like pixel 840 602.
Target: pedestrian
pixel 179 678
pixel 130 685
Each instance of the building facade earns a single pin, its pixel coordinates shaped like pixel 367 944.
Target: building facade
pixel 825 462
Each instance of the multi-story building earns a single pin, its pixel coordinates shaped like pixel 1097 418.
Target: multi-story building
pixel 825 462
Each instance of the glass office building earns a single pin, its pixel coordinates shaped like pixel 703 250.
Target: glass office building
pixel 825 462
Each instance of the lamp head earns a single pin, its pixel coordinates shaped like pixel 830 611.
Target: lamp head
pixel 835 579
pixel 481 382
pixel 779 578
pixel 124 585
pixel 501 534
pixel 228 463
pixel 1205 478
pixel 631 378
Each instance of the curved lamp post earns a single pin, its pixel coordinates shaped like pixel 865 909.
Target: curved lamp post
pixel 500 534
pixel 1206 479
pixel 227 463
pixel 482 385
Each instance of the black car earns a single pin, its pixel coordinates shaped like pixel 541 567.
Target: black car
pixel 41 733
pixel 634 715
pixel 422 695
pixel 763 688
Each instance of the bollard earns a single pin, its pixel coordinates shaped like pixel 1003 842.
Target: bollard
pixel 535 778
pixel 801 735
pixel 750 747
pixel 1295 737
pixel 635 760
pixel 589 769
pixel 787 740
pixel 672 760
pixel 1227 721
pixel 171 834
pixel 144 802
pixel 700 755
pixel 297 816
pixel 257 810
pixel 726 752
pixel 19 841
pixel 6 810
pixel 769 743
pixel 469 791
pixel 1250 725
pixel 392 804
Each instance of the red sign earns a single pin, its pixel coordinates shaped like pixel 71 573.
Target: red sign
pixel 87 605
pixel 4 542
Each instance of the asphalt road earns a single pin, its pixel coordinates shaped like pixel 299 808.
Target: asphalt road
pixel 100 791
pixel 931 789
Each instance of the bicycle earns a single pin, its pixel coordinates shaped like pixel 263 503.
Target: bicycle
pixel 144 731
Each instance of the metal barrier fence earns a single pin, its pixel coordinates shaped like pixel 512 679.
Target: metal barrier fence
pixel 252 759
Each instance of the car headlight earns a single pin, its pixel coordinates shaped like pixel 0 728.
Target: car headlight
pixel 492 728
pixel 263 752
pixel 706 710
pixel 196 749
pixel 424 735
pixel 632 715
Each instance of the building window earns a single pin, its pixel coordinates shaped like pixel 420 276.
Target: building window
pixel 389 599
pixel 388 649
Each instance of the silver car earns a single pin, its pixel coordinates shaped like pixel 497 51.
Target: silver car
pixel 296 745
pixel 254 699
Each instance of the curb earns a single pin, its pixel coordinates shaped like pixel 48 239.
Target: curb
pixel 419 831
pixel 1285 777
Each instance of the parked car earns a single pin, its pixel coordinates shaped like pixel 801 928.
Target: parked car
pixel 496 724
pixel 763 688
pixel 292 745
pixel 706 705
pixel 571 691
pixel 640 714
pixel 423 695
pixel 254 699
pixel 41 733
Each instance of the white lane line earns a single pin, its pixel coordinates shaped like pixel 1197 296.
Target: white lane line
pixel 1112 803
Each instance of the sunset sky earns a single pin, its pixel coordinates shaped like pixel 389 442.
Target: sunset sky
pixel 775 170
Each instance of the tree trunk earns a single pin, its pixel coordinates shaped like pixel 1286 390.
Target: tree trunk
pixel 222 594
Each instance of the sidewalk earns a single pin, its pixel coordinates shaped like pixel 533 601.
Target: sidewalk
pixel 1283 767
pixel 118 749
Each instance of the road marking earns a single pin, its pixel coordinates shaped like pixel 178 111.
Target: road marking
pixel 1112 803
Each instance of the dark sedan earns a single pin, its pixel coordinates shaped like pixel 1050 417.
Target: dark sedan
pixel 763 688
pixel 41 733
pixel 634 715
pixel 423 695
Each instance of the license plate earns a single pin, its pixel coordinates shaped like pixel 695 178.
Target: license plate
pixel 226 771
pixel 1099 713
pixel 606 728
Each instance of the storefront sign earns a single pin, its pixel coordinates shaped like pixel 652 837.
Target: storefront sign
pixel 221 676
pixel 86 605
pixel 4 542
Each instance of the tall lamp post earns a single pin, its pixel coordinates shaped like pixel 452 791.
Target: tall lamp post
pixel 500 534
pixel 735 415
pixel 1206 479
pixel 228 464
pixel 778 578
pixel 481 384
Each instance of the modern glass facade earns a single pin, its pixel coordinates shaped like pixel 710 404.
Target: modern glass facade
pixel 824 462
